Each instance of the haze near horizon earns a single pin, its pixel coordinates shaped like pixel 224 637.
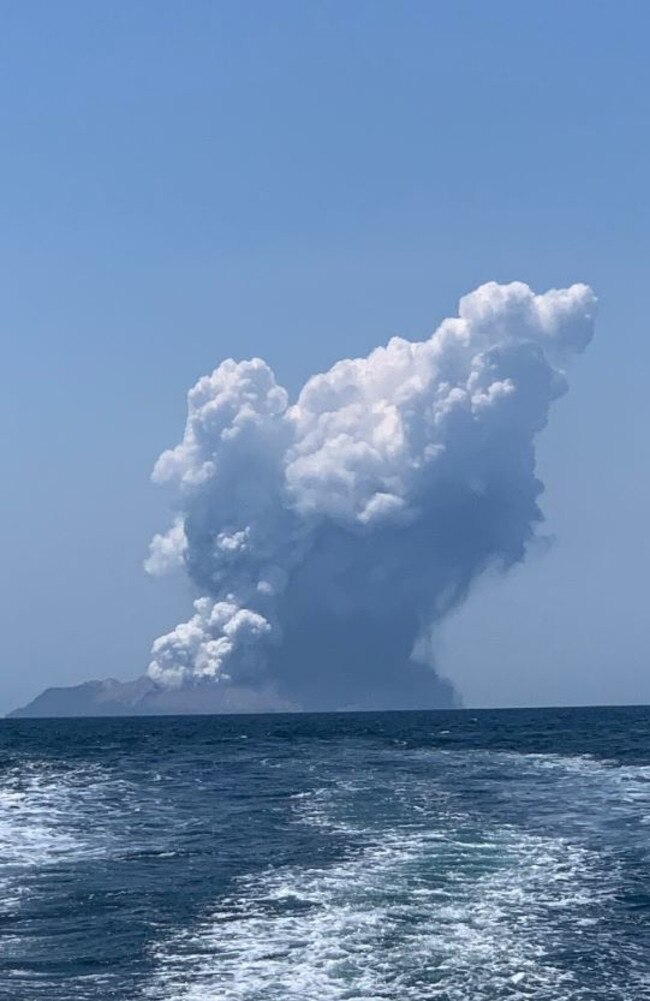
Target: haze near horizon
pixel 181 186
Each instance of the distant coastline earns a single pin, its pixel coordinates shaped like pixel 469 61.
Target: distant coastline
pixel 143 697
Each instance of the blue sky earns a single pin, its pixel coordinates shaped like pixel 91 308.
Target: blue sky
pixel 184 182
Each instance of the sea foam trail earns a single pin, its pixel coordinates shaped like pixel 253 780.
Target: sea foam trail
pixel 56 821
pixel 41 824
pixel 434 900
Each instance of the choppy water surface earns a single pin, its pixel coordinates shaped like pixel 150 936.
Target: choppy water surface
pixel 466 856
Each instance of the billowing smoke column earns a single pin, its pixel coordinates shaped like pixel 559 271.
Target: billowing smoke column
pixel 326 539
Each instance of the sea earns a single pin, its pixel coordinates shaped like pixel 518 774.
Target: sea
pixel 406 856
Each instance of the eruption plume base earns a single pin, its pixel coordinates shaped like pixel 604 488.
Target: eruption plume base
pixel 327 539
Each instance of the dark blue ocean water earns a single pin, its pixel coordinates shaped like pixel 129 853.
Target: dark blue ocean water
pixel 408 856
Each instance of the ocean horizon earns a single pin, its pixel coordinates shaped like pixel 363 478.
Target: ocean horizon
pixel 326 411
pixel 445 854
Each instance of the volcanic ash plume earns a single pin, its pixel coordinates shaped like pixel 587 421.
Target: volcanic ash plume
pixel 327 538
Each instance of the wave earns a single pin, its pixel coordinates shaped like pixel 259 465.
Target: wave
pixel 455 886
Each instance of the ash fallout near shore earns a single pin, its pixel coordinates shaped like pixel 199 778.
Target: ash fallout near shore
pixel 326 539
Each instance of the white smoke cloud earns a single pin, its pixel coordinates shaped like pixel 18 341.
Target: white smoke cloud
pixel 326 538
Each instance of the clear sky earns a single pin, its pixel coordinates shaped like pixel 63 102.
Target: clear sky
pixel 184 182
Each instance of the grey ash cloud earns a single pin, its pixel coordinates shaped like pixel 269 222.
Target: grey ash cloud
pixel 325 539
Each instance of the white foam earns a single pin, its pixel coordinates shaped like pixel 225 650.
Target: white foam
pixel 428 908
pixel 50 816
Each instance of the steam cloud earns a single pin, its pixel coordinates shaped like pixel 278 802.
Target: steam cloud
pixel 326 539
